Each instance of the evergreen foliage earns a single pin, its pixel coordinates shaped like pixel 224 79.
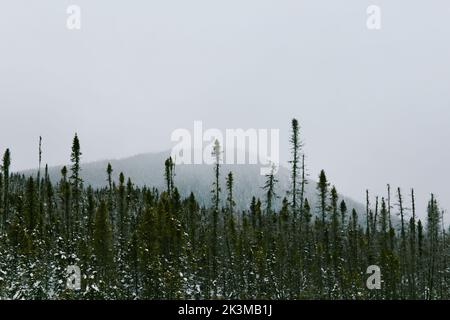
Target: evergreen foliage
pixel 134 242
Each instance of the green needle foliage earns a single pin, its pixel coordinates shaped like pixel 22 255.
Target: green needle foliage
pixel 134 242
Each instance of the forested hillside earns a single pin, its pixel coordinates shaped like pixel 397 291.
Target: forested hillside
pixel 132 241
pixel 148 170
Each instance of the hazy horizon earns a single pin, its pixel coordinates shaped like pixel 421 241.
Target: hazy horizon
pixel 374 106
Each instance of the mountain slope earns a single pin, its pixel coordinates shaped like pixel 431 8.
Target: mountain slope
pixel 148 169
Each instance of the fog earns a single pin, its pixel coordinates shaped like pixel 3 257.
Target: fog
pixel 374 105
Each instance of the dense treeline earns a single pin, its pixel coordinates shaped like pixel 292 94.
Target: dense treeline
pixel 135 242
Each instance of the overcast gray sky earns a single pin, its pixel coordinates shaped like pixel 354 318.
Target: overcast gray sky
pixel 374 105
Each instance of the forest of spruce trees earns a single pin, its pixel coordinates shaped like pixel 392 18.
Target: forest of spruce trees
pixel 133 242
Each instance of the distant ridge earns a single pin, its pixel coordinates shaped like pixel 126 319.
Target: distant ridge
pixel 148 169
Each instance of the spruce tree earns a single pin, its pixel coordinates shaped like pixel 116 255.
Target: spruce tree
pixel 230 199
pixel 322 188
pixel 269 188
pixel 123 211
pixel 295 150
pixel 102 244
pixel 65 195
pixel 40 160
pixel 5 168
pixel 433 228
pixel 216 184
pixel 169 175
pixel 412 248
pixel 215 211
pixel 402 243
pixel 336 238
pixel 75 179
pixel 109 171
pixel 323 247
pixel 421 273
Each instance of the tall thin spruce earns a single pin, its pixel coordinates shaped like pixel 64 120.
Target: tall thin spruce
pixel 295 150
pixel 40 161
pixel 5 167
pixel 75 179
pixel 402 242
pixel 412 247
pixel 216 153
pixel 230 199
